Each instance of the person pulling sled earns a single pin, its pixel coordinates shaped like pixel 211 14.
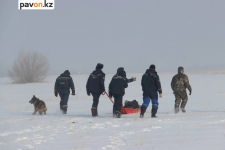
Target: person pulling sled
pixel 96 86
pixel 117 89
pixel 151 86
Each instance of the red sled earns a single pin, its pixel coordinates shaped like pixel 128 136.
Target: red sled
pixel 125 110
pixel 130 110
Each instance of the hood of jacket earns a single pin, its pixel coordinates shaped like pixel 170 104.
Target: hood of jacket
pixel 150 71
pixel 121 72
pixel 99 66
pixel 98 71
pixel 65 74
pixel 180 70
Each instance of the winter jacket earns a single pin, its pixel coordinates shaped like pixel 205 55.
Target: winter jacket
pixel 180 82
pixel 150 82
pixel 63 84
pixel 118 83
pixel 96 82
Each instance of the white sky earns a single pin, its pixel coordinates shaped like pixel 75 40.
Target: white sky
pixel 118 33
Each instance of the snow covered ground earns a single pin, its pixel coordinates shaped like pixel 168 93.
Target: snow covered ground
pixel 202 127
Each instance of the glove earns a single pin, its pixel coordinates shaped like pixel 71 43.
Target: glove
pixel 134 78
pixel 56 94
pixel 190 92
pixel 160 95
pixel 73 92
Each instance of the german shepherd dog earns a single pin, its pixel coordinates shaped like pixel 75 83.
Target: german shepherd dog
pixel 39 105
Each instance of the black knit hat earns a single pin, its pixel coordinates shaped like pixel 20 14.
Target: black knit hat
pixel 152 67
pixel 99 66
pixel 67 71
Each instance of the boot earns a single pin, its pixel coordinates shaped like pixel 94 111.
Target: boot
pixel 114 112
pixel 118 114
pixel 154 111
pixel 62 111
pixel 94 112
pixel 176 109
pixel 143 109
pixel 183 110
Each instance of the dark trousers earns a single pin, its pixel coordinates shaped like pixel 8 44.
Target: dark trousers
pixel 64 100
pixel 118 102
pixel 95 100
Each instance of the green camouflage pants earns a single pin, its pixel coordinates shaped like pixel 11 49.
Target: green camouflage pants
pixel 180 97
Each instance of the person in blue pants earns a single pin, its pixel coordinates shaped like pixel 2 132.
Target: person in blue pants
pixel 151 86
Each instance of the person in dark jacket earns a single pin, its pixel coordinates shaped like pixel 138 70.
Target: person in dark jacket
pixel 62 87
pixel 117 89
pixel 96 86
pixel 151 86
pixel 179 84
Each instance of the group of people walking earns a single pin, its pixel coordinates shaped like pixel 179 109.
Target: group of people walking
pixel 151 87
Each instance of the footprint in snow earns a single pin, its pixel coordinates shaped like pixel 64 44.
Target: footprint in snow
pixel 29 146
pixel 146 129
pixel 38 141
pixel 156 127
pixel 115 125
pixel 21 139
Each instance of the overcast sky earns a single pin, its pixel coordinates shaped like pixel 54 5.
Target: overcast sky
pixel 133 34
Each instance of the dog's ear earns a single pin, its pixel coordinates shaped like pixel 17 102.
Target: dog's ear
pixel 34 96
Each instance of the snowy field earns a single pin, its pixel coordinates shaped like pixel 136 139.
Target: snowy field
pixel 202 127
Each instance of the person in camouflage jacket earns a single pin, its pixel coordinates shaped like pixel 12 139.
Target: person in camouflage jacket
pixel 179 84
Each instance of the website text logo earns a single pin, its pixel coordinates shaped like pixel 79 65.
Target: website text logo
pixel 36 4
